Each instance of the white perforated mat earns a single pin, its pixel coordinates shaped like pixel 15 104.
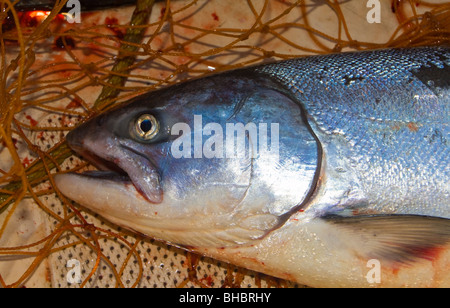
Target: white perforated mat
pixel 59 252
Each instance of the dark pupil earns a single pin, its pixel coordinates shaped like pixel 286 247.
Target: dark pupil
pixel 146 126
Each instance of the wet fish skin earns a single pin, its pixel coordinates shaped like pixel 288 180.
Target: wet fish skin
pixel 362 171
pixel 388 106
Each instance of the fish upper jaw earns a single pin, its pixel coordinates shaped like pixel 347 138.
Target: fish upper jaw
pixel 142 173
pixel 112 156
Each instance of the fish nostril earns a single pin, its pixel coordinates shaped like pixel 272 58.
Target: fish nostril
pixel 70 137
pixel 74 141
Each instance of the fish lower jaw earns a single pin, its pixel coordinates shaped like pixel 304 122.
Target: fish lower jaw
pixel 117 200
pixel 97 190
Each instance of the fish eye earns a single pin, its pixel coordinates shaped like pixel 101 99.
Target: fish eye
pixel 146 127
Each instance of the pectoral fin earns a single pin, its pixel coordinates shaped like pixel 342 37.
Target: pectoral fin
pixel 394 238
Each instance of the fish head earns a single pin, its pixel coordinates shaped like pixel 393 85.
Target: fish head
pixel 169 170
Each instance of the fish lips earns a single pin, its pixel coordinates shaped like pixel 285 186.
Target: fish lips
pixel 118 162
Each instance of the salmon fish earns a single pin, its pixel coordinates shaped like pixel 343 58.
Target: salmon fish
pixel 331 171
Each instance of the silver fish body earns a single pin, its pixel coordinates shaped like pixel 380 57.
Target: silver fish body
pixel 342 161
pixel 383 118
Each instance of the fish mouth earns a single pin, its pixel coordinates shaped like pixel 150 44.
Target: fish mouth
pixel 107 170
pixel 124 166
pixel 108 175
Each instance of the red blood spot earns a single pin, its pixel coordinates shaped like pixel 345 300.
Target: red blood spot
pixel 74 104
pixel 33 122
pixel 429 253
pixel 214 15
pixel 26 162
pixel 60 18
pixel 208 280
pixel 110 22
pixel 413 127
pixel 33 18
pixel 395 270
pixel 163 11
pixel 69 42
pixel 29 20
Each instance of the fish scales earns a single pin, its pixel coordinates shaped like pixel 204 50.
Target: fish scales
pixel 398 115
pixel 354 173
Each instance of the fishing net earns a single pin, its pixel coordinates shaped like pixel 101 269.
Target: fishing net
pixel 56 74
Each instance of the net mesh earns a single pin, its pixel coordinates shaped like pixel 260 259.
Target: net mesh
pixel 56 74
